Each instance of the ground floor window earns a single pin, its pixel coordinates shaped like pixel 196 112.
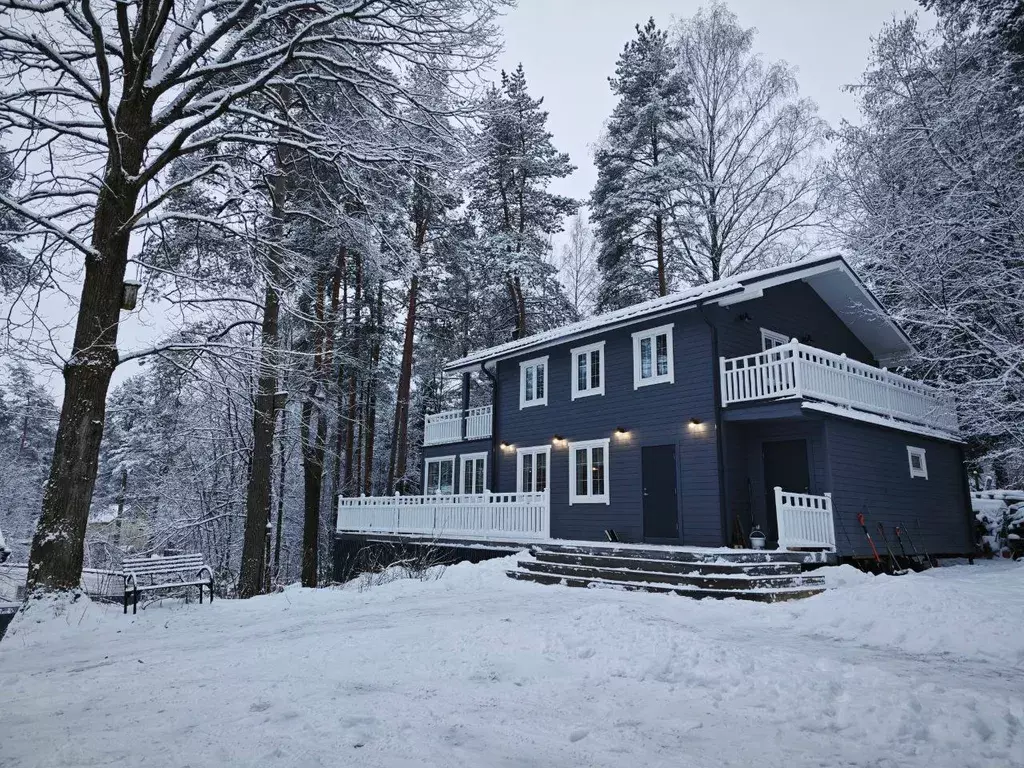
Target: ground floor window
pixel 474 472
pixel 588 472
pixel 532 469
pixel 440 475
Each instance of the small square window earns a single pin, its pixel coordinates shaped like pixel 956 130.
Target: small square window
pixel 918 462
pixel 588 370
pixel 533 382
pixel 771 339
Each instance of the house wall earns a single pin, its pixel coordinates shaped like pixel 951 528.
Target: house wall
pixel 869 472
pixel 654 415
pixel 792 309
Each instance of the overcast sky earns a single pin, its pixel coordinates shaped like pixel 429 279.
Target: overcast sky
pixel 569 48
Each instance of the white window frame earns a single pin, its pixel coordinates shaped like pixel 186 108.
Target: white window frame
pixel 653 333
pixel 574 372
pixel 522 382
pixel 463 458
pixel 590 498
pixel 533 450
pixel 913 451
pixel 426 472
pixel 773 336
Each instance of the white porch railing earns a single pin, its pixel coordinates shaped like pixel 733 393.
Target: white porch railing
pixel 446 427
pixel 494 516
pixel 797 370
pixel 805 521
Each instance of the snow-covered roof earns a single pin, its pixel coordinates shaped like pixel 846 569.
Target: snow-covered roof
pixel 830 276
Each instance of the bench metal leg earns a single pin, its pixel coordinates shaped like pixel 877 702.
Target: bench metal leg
pixel 200 594
pixel 135 603
pixel 211 591
pixel 126 602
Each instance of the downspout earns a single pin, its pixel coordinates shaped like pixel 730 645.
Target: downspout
pixel 493 468
pixel 719 433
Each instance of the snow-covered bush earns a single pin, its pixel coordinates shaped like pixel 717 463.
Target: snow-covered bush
pixel 999 516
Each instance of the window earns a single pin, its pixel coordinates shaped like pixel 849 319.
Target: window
pixel 588 472
pixel 474 472
pixel 533 382
pixel 918 463
pixel 532 469
pixel 588 370
pixel 652 357
pixel 440 475
pixel 771 339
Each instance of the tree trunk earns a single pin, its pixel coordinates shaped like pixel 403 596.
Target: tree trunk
pixel 257 495
pixel 58 546
pixel 353 385
pixel 282 464
pixel 400 436
pixel 313 446
pixel 371 397
pixel 660 245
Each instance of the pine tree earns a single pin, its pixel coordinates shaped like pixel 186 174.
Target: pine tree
pixel 641 167
pixel 516 215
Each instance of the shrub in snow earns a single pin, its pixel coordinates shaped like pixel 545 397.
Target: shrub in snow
pixel 999 516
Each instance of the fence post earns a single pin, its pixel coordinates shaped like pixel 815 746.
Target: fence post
pixel 798 382
pixel 780 518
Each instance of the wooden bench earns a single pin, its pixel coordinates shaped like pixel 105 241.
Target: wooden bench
pixel 147 574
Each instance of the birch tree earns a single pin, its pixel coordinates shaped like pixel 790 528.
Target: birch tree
pixel 754 188
pixel 105 96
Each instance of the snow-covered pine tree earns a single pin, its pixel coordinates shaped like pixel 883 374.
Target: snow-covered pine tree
pixel 641 167
pixel 516 215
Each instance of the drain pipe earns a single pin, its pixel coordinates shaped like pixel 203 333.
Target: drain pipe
pixel 493 469
pixel 723 505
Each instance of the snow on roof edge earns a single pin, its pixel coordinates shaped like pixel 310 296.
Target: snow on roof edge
pixel 881 421
pixel 638 312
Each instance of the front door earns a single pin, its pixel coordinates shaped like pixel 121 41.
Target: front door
pixel 785 465
pixel 658 477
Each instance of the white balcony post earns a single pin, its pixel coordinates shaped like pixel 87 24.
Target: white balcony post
pixel 724 381
pixel 798 379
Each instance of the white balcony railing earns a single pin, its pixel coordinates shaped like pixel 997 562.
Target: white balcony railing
pixel 485 516
pixel 446 427
pixel 797 370
pixel 805 521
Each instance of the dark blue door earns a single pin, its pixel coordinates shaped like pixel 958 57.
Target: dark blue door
pixel 661 509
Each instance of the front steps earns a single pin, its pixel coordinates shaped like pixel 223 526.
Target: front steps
pixel 744 574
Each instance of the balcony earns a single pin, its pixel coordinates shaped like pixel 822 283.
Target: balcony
pixel 799 371
pixel 457 425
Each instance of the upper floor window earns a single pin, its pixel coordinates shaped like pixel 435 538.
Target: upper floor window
pixel 588 370
pixel 533 382
pixel 918 462
pixel 474 472
pixel 588 472
pixel 532 469
pixel 771 339
pixel 439 474
pixel 652 356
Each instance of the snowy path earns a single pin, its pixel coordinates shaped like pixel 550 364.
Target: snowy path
pixel 478 670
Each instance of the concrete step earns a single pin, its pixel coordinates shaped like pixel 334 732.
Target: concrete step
pixel 679 555
pixel 668 566
pixel 735 581
pixel 764 596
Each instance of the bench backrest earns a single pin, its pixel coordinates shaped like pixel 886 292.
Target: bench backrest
pixel 149 566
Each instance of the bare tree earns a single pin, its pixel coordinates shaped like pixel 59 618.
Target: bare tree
pixel 752 141
pixel 105 97
pixel 578 267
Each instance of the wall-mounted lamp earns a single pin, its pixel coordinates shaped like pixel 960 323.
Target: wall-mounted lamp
pixel 558 440
pixel 622 433
pixel 743 317
pixel 506 446
pixel 695 425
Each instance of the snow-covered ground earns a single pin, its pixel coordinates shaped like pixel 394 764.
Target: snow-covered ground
pixel 477 670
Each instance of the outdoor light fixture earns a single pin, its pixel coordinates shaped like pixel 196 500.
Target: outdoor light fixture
pixel 130 294
pixel 558 440
pixel 506 446
pixel 695 425
pixel 622 433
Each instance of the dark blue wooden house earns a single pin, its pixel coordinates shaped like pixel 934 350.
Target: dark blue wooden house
pixel 765 399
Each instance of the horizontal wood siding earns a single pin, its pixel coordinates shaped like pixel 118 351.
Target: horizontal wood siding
pixel 794 310
pixel 653 415
pixel 870 473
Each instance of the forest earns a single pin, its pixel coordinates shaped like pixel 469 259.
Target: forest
pixel 323 202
